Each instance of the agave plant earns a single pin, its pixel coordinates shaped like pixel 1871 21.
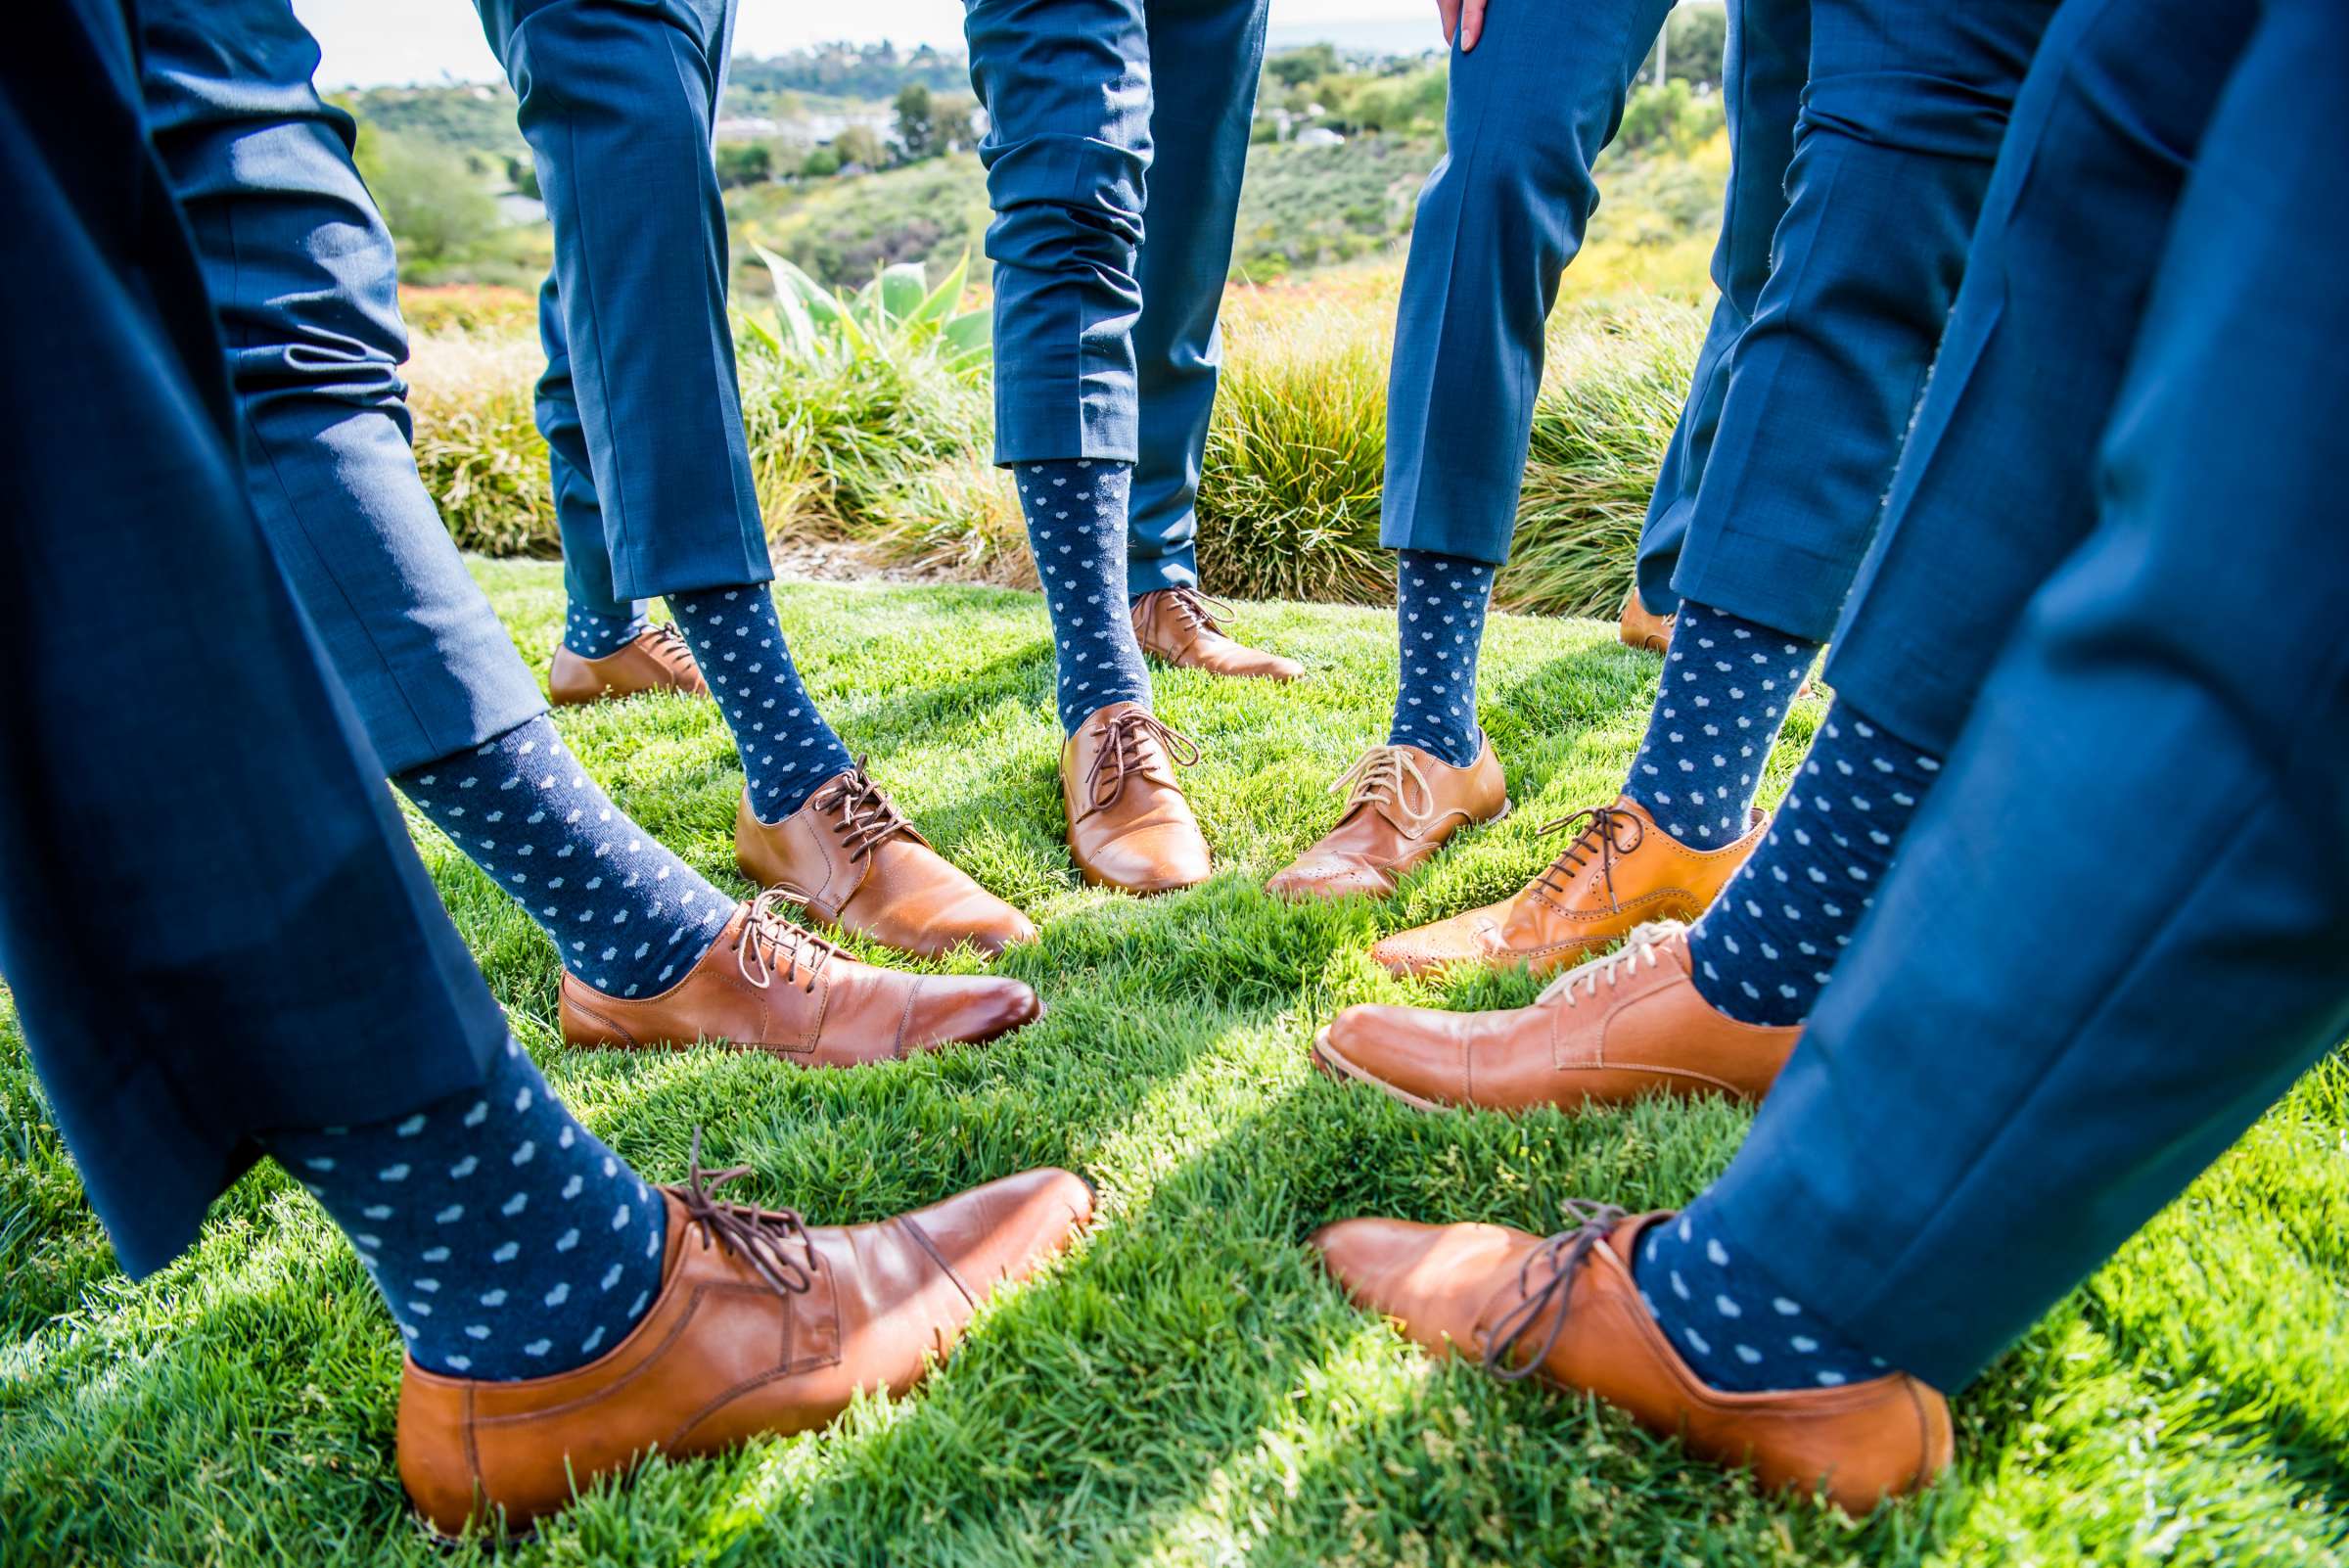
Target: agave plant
pixel 897 312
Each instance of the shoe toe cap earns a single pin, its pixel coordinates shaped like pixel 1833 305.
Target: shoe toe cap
pixel 1414 1274
pixel 1313 877
pixel 1004 1230
pixel 1432 947
pixel 967 1009
pixel 1156 859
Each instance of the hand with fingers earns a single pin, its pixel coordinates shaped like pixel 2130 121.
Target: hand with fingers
pixel 1464 20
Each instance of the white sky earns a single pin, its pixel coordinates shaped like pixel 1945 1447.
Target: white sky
pixel 374 43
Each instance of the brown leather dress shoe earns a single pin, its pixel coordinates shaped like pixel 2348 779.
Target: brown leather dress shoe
pixel 851 857
pixel 1617 1028
pixel 1404 803
pixel 1617 871
pixel 1566 1310
pixel 1186 628
pixel 766 985
pixel 657 660
pixel 763 1324
pixel 1128 825
pixel 1641 630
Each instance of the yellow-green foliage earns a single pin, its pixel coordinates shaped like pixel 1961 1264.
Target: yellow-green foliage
pixel 889 445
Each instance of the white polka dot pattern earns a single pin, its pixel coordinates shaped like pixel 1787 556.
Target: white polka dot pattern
pixel 787 748
pixel 1735 1329
pixel 1725 688
pixel 1439 606
pixel 1076 512
pixel 506 1240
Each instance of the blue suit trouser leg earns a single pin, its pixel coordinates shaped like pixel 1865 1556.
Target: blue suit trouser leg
pixel 1903 116
pixel 303 277
pixel 1763 72
pixel 618 102
pixel 212 922
pixel 1204 60
pixel 1994 485
pixel 1981 1111
pixel 1531 107
pixel 1067 88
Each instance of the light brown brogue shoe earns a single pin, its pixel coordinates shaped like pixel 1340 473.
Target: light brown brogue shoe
pixel 657 660
pixel 766 985
pixel 1130 826
pixel 1618 870
pixel 1638 628
pixel 1605 1034
pixel 1402 803
pixel 1186 627
pixel 851 857
pixel 1566 1310
pixel 762 1323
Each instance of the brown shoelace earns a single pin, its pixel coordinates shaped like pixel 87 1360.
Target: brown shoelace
pixel 1387 775
pixel 1562 1256
pixel 768 945
pixel 1123 754
pixel 1597 830
pixel 868 818
pixel 667 644
pixel 1199 612
pixel 757 1236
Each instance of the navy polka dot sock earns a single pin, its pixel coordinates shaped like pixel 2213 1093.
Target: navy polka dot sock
pixel 1440 604
pixel 1076 511
pixel 593 634
pixel 1735 1328
pixel 1725 688
pixel 787 748
pixel 506 1240
pixel 1767 946
pixel 626 917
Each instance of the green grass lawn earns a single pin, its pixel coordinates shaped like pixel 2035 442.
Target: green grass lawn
pixel 1186 1386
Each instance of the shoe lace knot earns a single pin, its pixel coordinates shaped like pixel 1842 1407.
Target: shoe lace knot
pixel 1605 831
pixel 1639 949
pixel 864 818
pixel 763 1238
pixel 768 946
pixel 1389 776
pixel 1125 754
pixel 1556 1262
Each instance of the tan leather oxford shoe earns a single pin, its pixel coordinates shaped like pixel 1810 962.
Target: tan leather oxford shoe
pixel 657 660
pixel 763 1324
pixel 1566 1310
pixel 766 985
pixel 1404 804
pixel 851 857
pixel 1637 628
pixel 1130 826
pixel 1618 870
pixel 1617 1028
pixel 1186 628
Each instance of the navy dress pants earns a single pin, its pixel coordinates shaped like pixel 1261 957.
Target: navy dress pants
pixel 1529 110
pixel 1106 343
pixel 1995 483
pixel 1901 118
pixel 211 918
pixel 2054 1018
pixel 640 404
pixel 304 280
pixel 1762 71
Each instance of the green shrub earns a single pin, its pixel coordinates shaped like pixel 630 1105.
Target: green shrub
pixel 1611 393
pixel 477 447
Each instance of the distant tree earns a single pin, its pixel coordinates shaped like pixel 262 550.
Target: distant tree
pixel 918 130
pixel 1294 67
pixel 434 205
pixel 1695 40
pixel 523 174
pixel 745 163
pixel 821 162
pixel 860 146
